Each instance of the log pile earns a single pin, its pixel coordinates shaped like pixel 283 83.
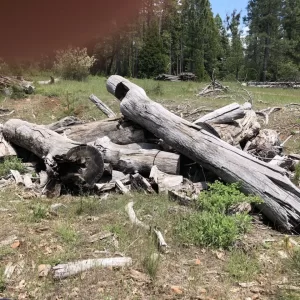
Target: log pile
pixel 284 84
pixel 151 150
pixel 8 83
pixel 186 76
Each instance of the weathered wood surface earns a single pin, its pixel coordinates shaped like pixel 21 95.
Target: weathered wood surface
pixel 72 268
pixel 234 123
pixel 65 122
pixel 17 82
pixel 102 106
pixel 266 145
pixel 120 131
pixel 165 181
pixel 6 149
pixel 137 157
pixel 62 156
pixel 281 197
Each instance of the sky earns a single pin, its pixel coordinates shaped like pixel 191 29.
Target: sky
pixel 223 7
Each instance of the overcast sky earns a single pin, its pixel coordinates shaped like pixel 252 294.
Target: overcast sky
pixel 222 7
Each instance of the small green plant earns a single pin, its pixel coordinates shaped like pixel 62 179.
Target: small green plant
pixel 67 234
pixel 73 63
pixel 11 163
pixel 210 225
pixel 242 266
pixel 151 263
pixel 39 212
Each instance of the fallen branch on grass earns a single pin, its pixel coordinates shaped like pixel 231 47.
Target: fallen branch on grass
pixel 267 112
pixel 162 245
pixel 66 270
pixel 102 106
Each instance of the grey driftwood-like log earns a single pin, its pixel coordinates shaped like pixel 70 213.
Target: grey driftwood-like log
pixel 17 83
pixel 72 268
pixel 281 197
pixel 137 157
pixel 234 123
pixel 120 131
pixel 102 106
pixel 63 123
pixel 141 184
pixel 6 149
pixel 165 181
pixel 71 161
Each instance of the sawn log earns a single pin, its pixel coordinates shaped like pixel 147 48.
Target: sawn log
pixel 70 161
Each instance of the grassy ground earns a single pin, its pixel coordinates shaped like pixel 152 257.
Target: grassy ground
pixel 261 265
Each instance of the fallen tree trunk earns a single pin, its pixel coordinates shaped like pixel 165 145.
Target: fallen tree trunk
pixel 120 131
pixel 281 197
pixel 70 161
pixel 137 157
pixel 16 82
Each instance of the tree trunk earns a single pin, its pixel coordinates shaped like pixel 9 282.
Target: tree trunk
pixel 137 157
pixel 118 130
pixel 281 197
pixel 72 162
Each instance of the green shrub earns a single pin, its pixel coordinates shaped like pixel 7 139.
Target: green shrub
pixel 209 225
pixel 73 63
pixel 39 212
pixel 11 163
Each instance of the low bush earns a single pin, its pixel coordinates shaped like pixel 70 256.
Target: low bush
pixel 11 163
pixel 73 63
pixel 210 225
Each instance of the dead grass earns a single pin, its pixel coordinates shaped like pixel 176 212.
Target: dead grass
pixel 185 271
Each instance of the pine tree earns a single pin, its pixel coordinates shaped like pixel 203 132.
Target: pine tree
pixel 263 19
pixel 235 60
pixel 199 37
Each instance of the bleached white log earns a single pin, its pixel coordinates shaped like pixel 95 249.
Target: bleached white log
pixel 121 187
pixel 66 270
pixel 134 220
pixel 165 181
pixel 17 176
pixel 27 181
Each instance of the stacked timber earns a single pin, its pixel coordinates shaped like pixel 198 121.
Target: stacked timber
pixel 150 149
pixel 186 76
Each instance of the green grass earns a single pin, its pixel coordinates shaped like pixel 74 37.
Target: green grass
pixel 242 267
pixel 11 163
pixel 67 234
pixel 39 212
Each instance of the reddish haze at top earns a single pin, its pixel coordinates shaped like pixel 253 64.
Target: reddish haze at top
pixel 34 27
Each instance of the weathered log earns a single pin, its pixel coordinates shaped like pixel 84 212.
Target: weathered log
pixel 266 145
pixel 6 149
pixel 17 176
pixel 165 181
pixel 51 81
pixel 102 106
pixel 121 187
pixel 16 82
pixel 226 114
pixel 120 131
pixel 134 158
pixel 71 161
pixel 65 122
pixel 234 123
pixel 72 268
pixel 141 184
pixel 281 197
